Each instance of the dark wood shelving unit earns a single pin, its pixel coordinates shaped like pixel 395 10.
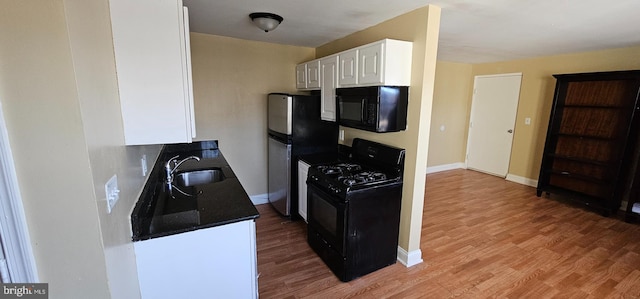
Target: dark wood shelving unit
pixel 590 153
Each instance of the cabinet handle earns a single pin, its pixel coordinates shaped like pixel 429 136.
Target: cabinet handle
pixel 565 173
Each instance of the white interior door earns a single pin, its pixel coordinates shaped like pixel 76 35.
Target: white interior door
pixel 491 126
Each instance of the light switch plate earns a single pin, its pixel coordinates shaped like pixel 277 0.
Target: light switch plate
pixel 527 120
pixel 112 192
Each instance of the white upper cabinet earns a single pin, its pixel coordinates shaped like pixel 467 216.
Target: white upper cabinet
pixel 387 62
pixel 301 76
pixel 329 71
pixel 348 72
pixel 313 75
pixel 152 53
pixel 371 68
pixel 308 75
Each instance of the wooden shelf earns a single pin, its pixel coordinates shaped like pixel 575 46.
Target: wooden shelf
pixel 580 177
pixel 588 137
pixel 596 107
pixel 597 203
pixel 592 132
pixel 578 159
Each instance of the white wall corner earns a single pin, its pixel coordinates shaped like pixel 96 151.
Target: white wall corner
pixel 409 258
pixel 522 180
pixel 445 167
pixel 259 199
pixel 14 231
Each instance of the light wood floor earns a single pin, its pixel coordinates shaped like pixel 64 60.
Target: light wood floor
pixel 482 237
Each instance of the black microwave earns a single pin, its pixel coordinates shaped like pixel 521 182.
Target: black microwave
pixel 373 108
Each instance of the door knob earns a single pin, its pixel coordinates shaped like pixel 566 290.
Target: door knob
pixel 510 131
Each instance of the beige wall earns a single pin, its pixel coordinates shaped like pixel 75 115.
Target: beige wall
pixel 38 94
pixel 231 80
pixel 451 106
pixel 536 96
pixel 60 101
pixel 89 28
pixel 421 27
pixel 453 96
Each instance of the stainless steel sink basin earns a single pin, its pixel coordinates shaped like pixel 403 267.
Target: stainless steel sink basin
pixel 199 177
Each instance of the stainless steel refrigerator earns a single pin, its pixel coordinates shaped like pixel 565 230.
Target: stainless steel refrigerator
pixel 294 129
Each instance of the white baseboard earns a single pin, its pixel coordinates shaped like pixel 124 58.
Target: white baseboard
pixel 259 199
pixel 522 180
pixel 445 167
pixel 462 165
pixel 409 258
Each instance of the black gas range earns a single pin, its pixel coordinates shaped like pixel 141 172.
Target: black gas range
pixel 354 209
pixel 343 178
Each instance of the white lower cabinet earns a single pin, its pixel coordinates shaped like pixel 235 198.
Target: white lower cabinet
pixel 216 262
pixel 303 171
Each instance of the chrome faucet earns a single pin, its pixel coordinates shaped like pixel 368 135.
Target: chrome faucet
pixel 170 170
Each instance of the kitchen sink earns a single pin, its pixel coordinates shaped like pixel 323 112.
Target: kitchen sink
pixel 199 177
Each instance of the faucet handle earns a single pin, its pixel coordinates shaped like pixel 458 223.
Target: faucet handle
pixel 174 160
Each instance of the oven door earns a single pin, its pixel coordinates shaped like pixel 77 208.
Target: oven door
pixel 328 216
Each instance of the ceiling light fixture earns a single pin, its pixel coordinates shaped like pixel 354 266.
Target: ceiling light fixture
pixel 266 20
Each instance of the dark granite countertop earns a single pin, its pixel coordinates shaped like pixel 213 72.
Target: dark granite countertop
pixel 162 210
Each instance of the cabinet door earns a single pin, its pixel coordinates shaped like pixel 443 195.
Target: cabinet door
pixel 313 75
pixel 187 78
pixel 179 265
pixel 150 53
pixel 348 68
pixel 370 64
pixel 329 70
pixel 303 171
pixel 301 76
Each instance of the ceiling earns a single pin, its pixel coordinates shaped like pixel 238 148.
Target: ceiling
pixel 471 31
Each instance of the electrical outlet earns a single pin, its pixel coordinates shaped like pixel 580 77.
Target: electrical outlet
pixel 143 161
pixel 112 192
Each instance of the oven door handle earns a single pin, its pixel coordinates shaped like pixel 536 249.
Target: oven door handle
pixel 324 194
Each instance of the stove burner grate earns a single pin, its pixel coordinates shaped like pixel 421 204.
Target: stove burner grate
pixel 362 178
pixel 340 168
